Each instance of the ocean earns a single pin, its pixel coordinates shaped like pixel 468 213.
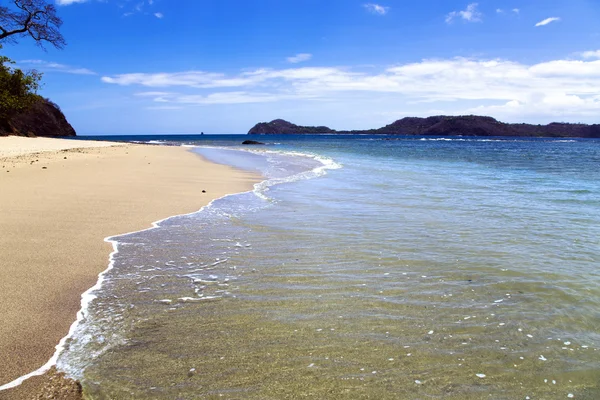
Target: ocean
pixel 362 267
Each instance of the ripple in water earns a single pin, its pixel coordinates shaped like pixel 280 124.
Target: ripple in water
pixel 397 276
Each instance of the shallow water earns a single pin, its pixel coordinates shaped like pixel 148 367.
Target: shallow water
pixel 459 269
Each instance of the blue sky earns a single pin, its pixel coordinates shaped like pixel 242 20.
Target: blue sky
pixel 220 66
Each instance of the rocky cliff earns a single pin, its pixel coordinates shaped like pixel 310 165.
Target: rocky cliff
pixel 44 118
pixel 469 125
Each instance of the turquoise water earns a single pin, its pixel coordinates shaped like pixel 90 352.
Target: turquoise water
pixel 362 268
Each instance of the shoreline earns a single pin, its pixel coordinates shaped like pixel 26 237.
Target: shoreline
pixel 87 297
pixel 229 181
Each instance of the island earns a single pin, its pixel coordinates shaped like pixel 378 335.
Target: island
pixel 442 125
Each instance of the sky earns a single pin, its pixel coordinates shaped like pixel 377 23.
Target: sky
pixel 220 66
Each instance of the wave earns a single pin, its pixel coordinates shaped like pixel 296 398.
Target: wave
pixel 327 163
pixel 77 329
pixel 460 140
pixel 282 161
pixel 495 140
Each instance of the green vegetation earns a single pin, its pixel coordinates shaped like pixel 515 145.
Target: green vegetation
pixel 18 89
pixel 37 20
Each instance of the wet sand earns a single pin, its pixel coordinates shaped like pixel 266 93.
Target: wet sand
pixel 56 208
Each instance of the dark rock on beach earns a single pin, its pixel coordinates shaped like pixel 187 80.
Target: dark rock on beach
pixel 251 142
pixel 44 118
pixel 466 125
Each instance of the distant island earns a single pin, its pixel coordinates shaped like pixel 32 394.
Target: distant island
pixel 466 125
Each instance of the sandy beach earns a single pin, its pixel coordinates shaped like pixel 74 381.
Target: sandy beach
pixel 59 199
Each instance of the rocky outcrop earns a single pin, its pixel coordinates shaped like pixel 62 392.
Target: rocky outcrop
pixel 468 125
pixel 280 126
pixel 251 142
pixel 44 118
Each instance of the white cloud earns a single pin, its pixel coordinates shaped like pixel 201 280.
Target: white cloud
pixel 376 8
pixel 132 7
pixel 299 58
pixel 547 21
pixel 153 94
pixel 164 108
pixel 591 54
pixel 501 11
pixel 228 98
pixel 49 66
pixel 501 87
pixel 452 79
pixel 563 106
pixel 69 2
pixel 197 79
pixel 470 14
pixel 235 97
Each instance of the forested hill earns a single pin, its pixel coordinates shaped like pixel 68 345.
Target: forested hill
pixel 43 118
pixel 282 126
pixel 469 125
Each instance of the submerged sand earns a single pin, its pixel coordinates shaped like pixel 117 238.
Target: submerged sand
pixel 59 199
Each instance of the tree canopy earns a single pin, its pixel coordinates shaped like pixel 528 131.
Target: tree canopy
pixel 36 19
pixel 18 89
pixel 31 18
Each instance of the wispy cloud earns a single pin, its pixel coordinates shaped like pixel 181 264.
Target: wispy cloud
pixel 178 100
pixel 501 87
pixel 49 66
pixel 470 14
pixel 164 108
pixel 547 21
pixel 153 94
pixel 591 54
pixel 376 8
pixel 195 79
pixel 69 2
pixel 132 7
pixel 502 11
pixel 298 58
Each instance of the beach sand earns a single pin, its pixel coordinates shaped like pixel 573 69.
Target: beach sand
pixel 56 208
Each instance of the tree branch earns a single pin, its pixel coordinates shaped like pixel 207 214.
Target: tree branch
pixel 33 18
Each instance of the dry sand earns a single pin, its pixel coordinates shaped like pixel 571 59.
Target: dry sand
pixel 57 207
pixel 11 146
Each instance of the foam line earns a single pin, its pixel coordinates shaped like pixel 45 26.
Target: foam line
pixel 87 297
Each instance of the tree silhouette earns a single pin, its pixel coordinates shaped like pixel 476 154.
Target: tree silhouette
pixel 34 18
